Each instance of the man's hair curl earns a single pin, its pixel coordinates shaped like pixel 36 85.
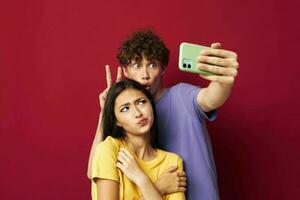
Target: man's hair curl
pixel 141 44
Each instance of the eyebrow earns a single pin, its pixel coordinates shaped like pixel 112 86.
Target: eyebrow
pixel 127 104
pixel 139 61
pixel 134 61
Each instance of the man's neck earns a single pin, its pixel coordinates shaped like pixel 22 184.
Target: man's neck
pixel 159 93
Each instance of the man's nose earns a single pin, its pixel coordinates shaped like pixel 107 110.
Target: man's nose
pixel 145 74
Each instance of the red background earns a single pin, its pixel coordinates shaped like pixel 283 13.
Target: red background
pixel 52 61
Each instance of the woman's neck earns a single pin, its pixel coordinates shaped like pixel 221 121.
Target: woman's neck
pixel 141 147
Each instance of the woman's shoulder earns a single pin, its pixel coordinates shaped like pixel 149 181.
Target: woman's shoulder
pixel 169 155
pixel 109 143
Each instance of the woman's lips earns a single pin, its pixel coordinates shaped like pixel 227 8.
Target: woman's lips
pixel 143 122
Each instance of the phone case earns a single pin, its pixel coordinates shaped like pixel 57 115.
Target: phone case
pixel 188 54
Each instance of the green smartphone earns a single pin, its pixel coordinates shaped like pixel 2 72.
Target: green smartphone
pixel 188 60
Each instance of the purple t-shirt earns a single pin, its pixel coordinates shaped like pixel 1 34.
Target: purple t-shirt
pixel 182 130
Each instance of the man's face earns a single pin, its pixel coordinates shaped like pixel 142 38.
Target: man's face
pixel 148 73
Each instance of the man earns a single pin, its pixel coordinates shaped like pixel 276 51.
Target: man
pixel 182 109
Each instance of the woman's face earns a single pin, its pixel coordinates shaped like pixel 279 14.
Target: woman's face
pixel 133 112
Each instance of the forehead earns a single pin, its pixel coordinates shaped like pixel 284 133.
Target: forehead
pixel 129 96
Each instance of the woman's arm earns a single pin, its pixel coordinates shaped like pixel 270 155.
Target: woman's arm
pixel 128 165
pixel 107 189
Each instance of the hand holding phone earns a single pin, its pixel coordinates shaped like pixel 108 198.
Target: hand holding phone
pixel 188 58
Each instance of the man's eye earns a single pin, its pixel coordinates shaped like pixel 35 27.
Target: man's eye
pixel 152 65
pixel 136 65
pixel 124 109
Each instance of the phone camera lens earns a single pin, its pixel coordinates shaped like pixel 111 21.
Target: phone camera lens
pixel 184 65
pixel 189 66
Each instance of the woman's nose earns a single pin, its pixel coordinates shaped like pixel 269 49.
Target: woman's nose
pixel 137 112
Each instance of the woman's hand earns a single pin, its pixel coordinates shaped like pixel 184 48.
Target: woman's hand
pixel 128 165
pixel 171 181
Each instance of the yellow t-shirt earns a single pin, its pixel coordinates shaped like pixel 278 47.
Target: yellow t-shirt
pixel 104 166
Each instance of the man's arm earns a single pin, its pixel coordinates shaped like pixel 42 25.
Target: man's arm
pixel 170 181
pixel 97 139
pixel 225 65
pixel 99 135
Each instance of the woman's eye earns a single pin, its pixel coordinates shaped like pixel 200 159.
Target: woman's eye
pixel 124 109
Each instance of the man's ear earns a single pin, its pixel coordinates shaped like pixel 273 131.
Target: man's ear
pixel 124 71
pixel 163 70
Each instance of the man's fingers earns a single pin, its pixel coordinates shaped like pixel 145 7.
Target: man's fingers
pixel 108 76
pixel 172 168
pixel 182 179
pixel 219 70
pixel 216 45
pixel 182 184
pixel 119 74
pixel 104 93
pixel 181 174
pixel 223 62
pixel 219 53
pixel 102 98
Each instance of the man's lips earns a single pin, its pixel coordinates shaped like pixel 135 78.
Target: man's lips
pixel 147 87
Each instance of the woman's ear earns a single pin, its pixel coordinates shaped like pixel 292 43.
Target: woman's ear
pixel 118 124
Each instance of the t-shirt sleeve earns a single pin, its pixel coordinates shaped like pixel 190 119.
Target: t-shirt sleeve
pixel 188 93
pixel 105 159
pixel 211 115
pixel 177 195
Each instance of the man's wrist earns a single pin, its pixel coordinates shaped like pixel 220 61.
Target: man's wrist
pixel 159 188
pixel 224 85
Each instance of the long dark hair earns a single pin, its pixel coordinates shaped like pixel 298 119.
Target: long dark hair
pixel 108 122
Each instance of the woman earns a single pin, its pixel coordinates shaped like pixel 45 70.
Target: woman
pixel 127 162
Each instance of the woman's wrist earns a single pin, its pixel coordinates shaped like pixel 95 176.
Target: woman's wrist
pixel 142 181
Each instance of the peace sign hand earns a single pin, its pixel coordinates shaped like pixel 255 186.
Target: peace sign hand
pixel 102 96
